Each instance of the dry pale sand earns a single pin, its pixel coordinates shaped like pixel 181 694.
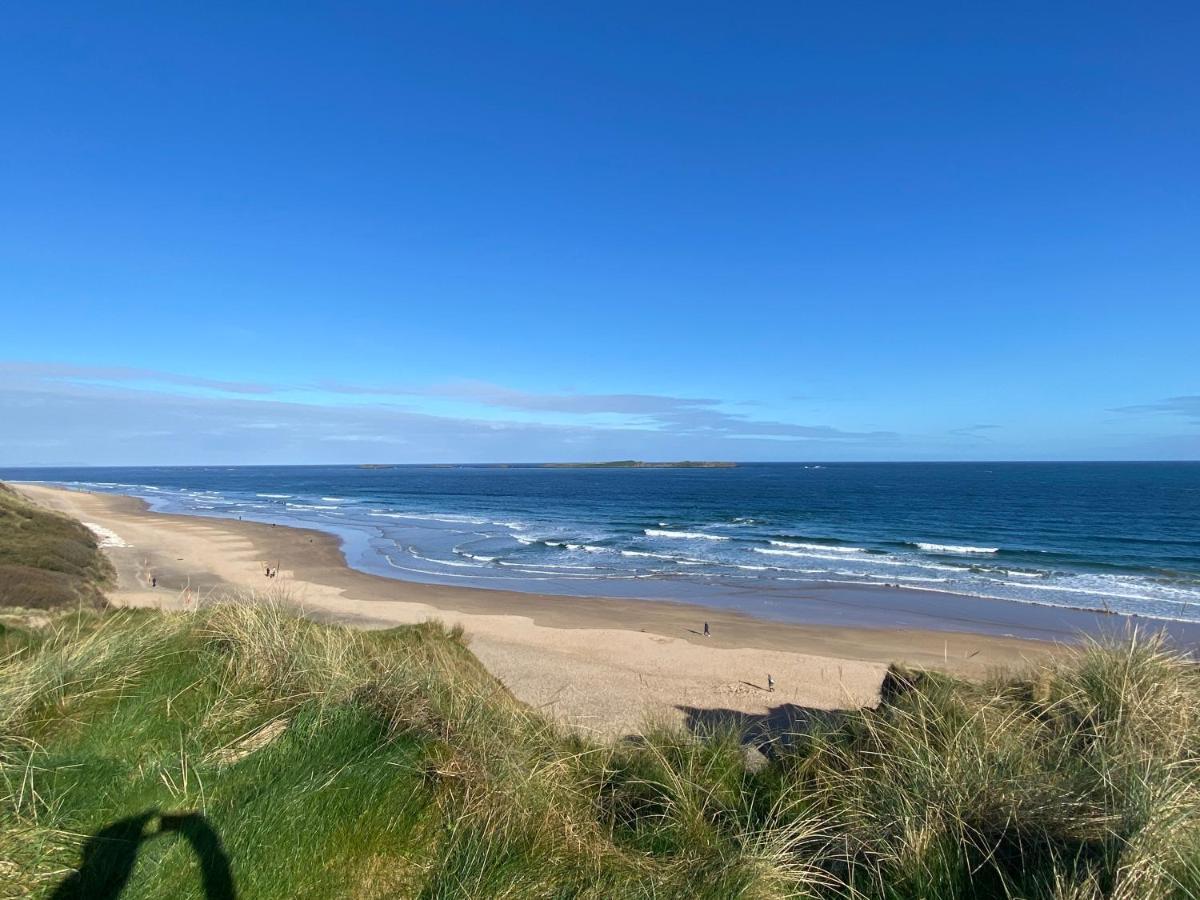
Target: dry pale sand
pixel 604 665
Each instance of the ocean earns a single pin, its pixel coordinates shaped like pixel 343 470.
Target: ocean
pixel 1121 537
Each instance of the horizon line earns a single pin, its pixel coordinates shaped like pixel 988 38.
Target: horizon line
pixel 696 464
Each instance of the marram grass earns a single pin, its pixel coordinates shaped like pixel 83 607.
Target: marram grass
pixel 330 762
pixel 47 561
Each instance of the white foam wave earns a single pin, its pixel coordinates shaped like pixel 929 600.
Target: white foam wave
pixel 643 553
pixel 541 565
pixel 798 545
pixel 804 554
pixel 1118 587
pixel 275 496
pixel 738 522
pixel 952 548
pixel 573 576
pixel 440 562
pixel 687 535
pixel 395 565
pixel 449 520
pixel 873 560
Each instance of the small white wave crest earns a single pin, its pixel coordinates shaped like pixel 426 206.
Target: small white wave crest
pixel 952 548
pixel 686 535
pixel 798 545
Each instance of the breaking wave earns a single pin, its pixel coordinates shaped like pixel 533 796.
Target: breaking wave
pixel 952 548
pixel 687 535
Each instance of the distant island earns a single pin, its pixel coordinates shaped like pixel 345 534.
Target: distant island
pixel 613 464
pixel 640 464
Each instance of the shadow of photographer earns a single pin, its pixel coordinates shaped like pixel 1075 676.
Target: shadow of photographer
pixel 111 853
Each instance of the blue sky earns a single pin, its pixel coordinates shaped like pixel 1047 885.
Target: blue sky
pixel 272 233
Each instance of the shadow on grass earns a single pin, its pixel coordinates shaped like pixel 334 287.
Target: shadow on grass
pixel 110 854
pixel 760 730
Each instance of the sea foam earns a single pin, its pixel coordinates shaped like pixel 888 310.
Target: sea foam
pixel 952 548
pixel 798 545
pixel 660 532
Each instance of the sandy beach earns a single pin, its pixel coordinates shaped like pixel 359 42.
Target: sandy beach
pixel 603 665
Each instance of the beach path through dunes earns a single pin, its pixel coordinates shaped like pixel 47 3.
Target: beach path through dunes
pixel 605 666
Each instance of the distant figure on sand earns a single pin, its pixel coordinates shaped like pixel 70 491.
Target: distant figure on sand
pixel 153 581
pixel 707 633
pixel 770 683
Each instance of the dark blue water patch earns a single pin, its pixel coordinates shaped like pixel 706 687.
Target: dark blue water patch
pixel 1104 536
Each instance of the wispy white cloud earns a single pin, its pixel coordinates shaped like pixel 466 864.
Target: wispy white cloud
pixel 676 415
pixel 138 416
pixel 494 395
pixel 1187 406
pixel 124 374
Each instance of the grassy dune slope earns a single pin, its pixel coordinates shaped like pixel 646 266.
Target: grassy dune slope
pixel 47 560
pixel 337 763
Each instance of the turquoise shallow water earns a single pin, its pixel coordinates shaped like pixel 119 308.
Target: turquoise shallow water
pixel 1118 536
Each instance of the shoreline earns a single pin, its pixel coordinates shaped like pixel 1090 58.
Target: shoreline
pixel 872 607
pixel 600 664
pixel 821 602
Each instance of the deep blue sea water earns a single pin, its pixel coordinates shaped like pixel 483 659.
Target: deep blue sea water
pixel 1117 536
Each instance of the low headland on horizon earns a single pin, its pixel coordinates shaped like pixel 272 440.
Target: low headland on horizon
pixel 613 464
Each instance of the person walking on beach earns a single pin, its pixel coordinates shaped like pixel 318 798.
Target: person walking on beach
pixel 707 633
pixel 153 581
pixel 770 683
